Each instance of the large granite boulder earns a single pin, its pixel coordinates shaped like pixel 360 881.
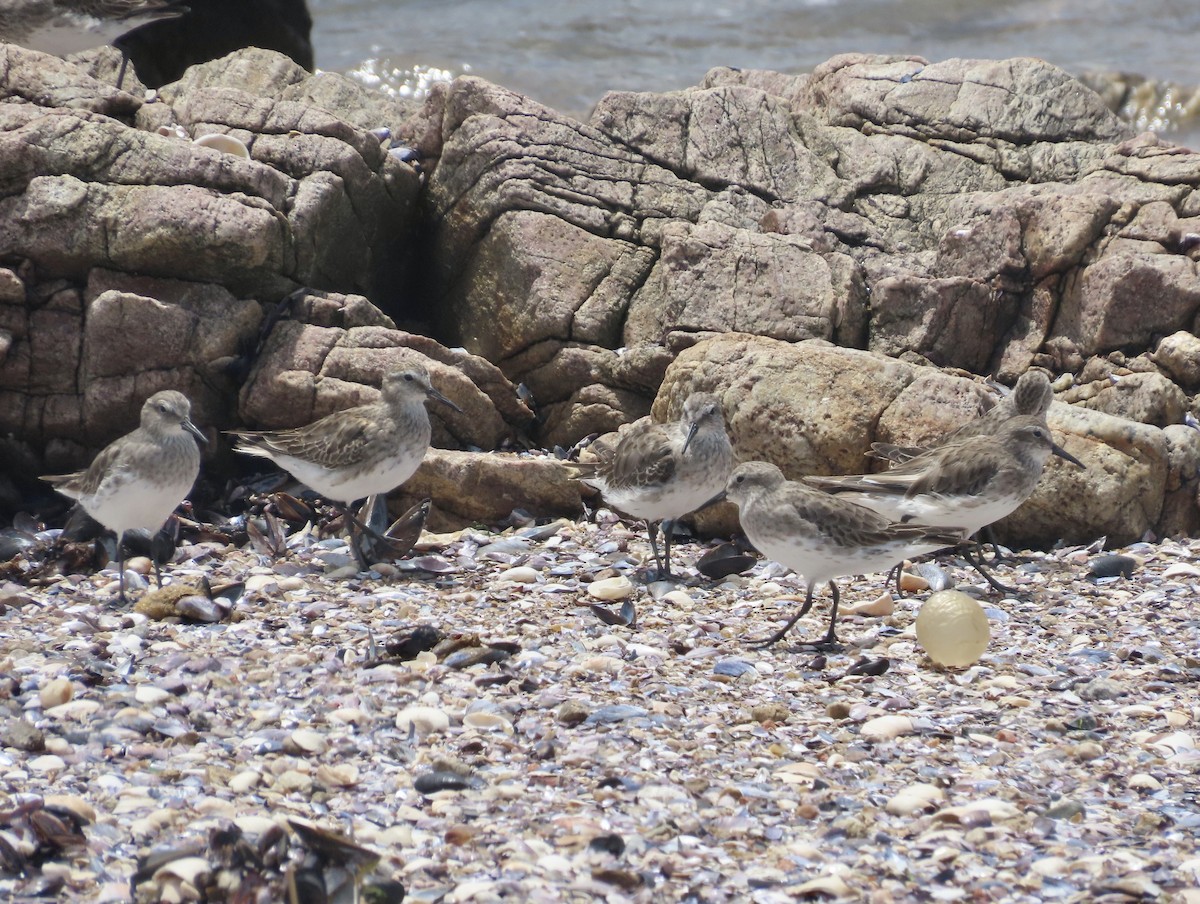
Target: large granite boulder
pixel 815 409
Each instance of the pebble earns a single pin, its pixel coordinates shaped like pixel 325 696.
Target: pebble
pixel 305 740
pixel 1141 781
pixel 617 588
pixel 47 763
pixel 770 712
pixel 733 668
pixel 617 712
pixel 521 574
pixel 571 713
pixel 244 781
pixel 56 692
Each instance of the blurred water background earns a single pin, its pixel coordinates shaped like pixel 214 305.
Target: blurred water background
pixel 567 53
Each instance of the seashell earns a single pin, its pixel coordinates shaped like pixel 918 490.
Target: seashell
pixel 201 609
pixel 425 719
pixel 886 728
pixel 723 561
pixel 934 576
pixel 611 588
pixel 953 628
pixel 383 133
pixel 881 605
pixel 432 782
pixel 913 798
pixel 1112 566
pixel 485 721
pixel 625 617
pixel 226 144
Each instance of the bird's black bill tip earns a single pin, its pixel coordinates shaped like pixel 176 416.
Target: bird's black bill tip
pixel 196 432
pixel 434 394
pixel 1064 454
pixel 720 497
pixel 692 428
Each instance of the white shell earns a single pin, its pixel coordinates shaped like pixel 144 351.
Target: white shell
pixel 224 143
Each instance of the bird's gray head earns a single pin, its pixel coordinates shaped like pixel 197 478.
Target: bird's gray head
pixel 1032 441
pixel 752 479
pixel 412 383
pixel 1032 394
pixel 167 412
pixel 701 411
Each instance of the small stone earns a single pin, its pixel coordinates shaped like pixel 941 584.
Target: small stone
pixel 1141 781
pixel 139 565
pixel 571 713
pixel 838 710
pixel 1085 751
pixel 912 583
pixel 522 574
pixel 56 692
pixel 22 735
pixel 617 588
pixel 770 712
pixel 733 668
pixel 886 728
pixel 1101 689
pixel 617 712
pixel 1065 809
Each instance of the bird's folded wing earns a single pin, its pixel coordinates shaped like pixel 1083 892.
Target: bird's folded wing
pixel 341 446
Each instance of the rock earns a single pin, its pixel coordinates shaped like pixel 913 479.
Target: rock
pixel 22 735
pixel 770 712
pixel 1179 355
pixel 1148 398
pixel 307 370
pixel 472 488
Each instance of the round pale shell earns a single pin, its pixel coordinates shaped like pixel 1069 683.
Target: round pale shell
pixel 953 628
pixel 226 143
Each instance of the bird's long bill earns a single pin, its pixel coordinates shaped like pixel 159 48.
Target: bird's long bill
pixel 692 428
pixel 720 497
pixel 194 431
pixel 1063 453
pixel 434 394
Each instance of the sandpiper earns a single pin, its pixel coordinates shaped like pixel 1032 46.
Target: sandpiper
pixel 63 27
pixel 138 480
pixel 967 483
pixel 660 472
pixel 821 536
pixel 1031 395
pixel 351 454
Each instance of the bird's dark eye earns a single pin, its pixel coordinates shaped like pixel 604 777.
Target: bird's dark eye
pixel 408 378
pixel 741 478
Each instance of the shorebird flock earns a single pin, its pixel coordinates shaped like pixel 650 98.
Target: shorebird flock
pixel 822 528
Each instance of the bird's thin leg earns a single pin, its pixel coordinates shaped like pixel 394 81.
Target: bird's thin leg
pixel 157 573
pixel 831 635
pixel 351 524
pixel 969 555
pixel 121 567
pixel 652 530
pixel 668 528
pixel 894 575
pixel 778 635
pixel 121 71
